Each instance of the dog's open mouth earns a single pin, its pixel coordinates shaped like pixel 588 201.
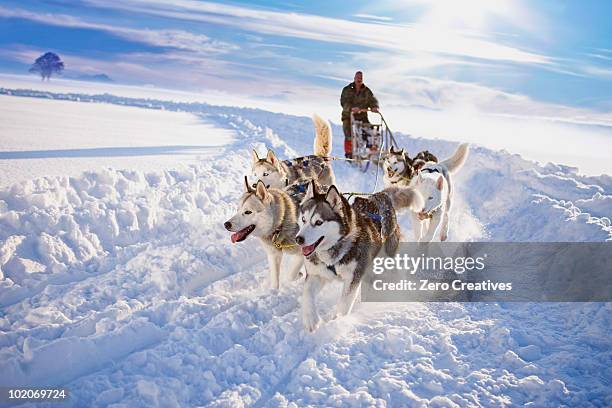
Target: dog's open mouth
pixel 309 249
pixel 242 234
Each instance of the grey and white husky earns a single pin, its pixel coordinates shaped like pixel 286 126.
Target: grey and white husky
pixel 339 241
pixel 270 215
pixel 435 189
pixel 399 168
pixel 277 173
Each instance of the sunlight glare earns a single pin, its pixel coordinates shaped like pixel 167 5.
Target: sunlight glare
pixel 465 14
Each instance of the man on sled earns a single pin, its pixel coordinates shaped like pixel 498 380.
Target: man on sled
pixel 356 97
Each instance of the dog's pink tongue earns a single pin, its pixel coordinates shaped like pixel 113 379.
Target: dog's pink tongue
pixel 235 237
pixel 307 250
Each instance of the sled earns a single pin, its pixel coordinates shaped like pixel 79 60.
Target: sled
pixel 371 141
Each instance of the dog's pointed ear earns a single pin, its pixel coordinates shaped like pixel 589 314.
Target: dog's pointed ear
pixel 403 152
pixel 392 150
pixel 440 183
pixel 310 191
pixel 334 198
pixel 271 157
pixel 254 156
pixel 261 191
pixel 247 188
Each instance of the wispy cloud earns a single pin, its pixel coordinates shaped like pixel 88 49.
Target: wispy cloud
pixel 404 38
pixel 409 66
pixel 372 17
pixel 600 56
pixel 179 70
pixel 179 39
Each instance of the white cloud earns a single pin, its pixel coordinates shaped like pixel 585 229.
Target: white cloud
pixel 400 78
pixel 179 39
pixel 372 17
pixel 400 38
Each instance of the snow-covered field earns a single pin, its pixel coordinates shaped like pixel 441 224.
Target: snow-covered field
pixel 122 285
pixel 42 137
pixel 576 140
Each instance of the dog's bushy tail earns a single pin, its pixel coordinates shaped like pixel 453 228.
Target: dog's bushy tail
pixel 455 162
pixel 405 198
pixel 323 136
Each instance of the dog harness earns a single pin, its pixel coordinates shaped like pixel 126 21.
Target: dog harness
pixel 279 245
pixel 430 170
pixel 400 179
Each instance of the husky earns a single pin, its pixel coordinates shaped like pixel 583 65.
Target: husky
pixel 400 169
pixel 339 240
pixel 435 187
pixel 270 215
pixel 278 174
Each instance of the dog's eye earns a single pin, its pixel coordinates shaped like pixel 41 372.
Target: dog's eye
pixel 430 198
pixel 318 222
pixel 247 212
pixel 303 219
pixel 265 174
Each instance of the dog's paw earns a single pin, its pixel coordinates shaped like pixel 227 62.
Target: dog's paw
pixel 443 236
pixel 311 322
pixel 273 285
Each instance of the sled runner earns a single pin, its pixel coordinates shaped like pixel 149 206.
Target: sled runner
pixel 370 141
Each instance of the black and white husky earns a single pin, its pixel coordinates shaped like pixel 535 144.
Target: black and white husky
pixel 339 241
pixel 434 186
pixel 278 173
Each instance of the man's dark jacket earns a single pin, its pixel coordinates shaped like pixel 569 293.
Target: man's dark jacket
pixel 351 99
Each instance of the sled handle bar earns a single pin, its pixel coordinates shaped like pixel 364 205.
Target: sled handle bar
pixel 382 118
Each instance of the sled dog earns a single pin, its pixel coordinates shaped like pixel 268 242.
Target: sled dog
pixel 434 184
pixel 399 168
pixel 270 215
pixel 277 173
pixel 339 240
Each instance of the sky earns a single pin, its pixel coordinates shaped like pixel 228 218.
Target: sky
pixel 546 60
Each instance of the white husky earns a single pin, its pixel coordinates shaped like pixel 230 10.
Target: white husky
pixel 434 185
pixel 270 215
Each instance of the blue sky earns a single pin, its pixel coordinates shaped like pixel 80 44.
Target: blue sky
pixel 541 58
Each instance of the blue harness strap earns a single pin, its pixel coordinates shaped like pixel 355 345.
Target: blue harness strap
pixel 375 217
pixel 428 170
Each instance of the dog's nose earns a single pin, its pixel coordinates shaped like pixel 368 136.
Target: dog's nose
pixel 227 225
pixel 299 240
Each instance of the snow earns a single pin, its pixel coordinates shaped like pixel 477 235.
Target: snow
pixel 121 284
pixel 559 135
pixel 51 138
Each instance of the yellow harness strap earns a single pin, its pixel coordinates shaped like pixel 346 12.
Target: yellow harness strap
pixel 280 245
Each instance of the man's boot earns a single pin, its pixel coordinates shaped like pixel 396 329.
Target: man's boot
pixel 348 148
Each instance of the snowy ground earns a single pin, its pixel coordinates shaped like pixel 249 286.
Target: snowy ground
pixel 122 285
pixel 577 140
pixel 42 137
